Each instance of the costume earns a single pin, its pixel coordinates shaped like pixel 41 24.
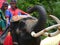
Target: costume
pixel 2 21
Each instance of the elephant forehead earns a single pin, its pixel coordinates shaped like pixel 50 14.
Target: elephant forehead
pixel 30 23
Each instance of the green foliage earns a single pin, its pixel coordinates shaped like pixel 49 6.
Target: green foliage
pixel 57 9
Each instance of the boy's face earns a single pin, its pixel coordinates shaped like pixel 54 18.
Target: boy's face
pixel 13 4
pixel 6 7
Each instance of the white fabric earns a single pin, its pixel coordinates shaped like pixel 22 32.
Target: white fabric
pixel 9 6
pixel 51 40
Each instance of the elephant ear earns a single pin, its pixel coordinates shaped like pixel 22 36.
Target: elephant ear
pixel 42 17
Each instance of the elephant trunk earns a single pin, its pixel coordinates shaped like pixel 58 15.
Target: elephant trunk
pixel 42 17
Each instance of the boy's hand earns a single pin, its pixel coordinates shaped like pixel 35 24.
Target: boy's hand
pixel 15 18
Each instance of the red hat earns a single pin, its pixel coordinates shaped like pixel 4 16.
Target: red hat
pixel 1 2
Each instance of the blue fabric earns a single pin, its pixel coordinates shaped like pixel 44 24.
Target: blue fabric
pixel 9 14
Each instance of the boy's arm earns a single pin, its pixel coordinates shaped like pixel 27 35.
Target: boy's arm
pixel 23 13
pixel 7 14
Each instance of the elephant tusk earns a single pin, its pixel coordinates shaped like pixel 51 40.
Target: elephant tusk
pixel 55 33
pixel 33 34
pixel 58 29
pixel 51 34
pixel 46 34
pixel 55 18
pixel 51 27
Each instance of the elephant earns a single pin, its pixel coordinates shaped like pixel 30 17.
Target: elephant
pixel 21 30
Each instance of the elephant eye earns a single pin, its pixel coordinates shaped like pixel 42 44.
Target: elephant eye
pixel 21 25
